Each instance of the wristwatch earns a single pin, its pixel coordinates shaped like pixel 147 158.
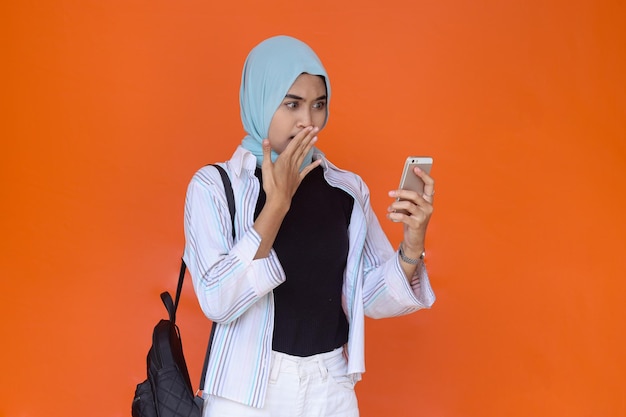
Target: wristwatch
pixel 410 260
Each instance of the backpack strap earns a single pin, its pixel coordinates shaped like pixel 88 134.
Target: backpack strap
pixel 230 198
pixel 172 307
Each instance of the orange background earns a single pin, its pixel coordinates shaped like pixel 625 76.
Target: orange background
pixel 109 107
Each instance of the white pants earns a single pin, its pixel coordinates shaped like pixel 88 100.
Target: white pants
pixel 315 386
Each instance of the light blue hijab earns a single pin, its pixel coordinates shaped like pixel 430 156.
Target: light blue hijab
pixel 269 72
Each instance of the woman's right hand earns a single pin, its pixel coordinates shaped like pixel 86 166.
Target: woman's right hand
pixel 282 178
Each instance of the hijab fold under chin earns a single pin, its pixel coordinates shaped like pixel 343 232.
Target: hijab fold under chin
pixel 268 73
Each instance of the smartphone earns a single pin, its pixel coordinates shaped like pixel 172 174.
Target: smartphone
pixel 409 180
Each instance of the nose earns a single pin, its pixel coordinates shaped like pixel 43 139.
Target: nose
pixel 305 118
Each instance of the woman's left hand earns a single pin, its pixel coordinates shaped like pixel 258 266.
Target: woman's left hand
pixel 414 210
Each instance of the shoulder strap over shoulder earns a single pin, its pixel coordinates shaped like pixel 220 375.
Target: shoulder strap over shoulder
pixel 230 198
pixel 167 299
pixel 171 306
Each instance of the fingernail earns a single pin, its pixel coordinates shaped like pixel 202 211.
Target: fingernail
pixel 392 193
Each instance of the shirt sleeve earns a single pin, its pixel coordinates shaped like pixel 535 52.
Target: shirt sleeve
pixel 386 290
pixel 226 278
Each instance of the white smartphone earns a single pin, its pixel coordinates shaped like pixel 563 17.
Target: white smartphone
pixel 409 180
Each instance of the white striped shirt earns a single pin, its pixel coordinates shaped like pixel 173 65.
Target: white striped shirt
pixel 235 291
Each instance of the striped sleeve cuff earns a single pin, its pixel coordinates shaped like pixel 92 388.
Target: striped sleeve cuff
pixel 418 291
pixel 267 273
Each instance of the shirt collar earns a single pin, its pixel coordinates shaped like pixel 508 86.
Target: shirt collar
pixel 242 159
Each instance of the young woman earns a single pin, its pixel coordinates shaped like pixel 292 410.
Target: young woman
pixel 310 260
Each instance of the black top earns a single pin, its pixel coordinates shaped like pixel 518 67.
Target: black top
pixel 312 246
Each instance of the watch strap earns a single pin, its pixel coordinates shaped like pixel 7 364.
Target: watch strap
pixel 408 260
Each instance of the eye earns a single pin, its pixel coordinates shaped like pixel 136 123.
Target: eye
pixel 291 104
pixel 319 105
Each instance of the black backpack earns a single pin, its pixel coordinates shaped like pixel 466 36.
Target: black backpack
pixel 168 392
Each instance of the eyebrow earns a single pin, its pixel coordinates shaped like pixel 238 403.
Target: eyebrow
pixel 295 97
